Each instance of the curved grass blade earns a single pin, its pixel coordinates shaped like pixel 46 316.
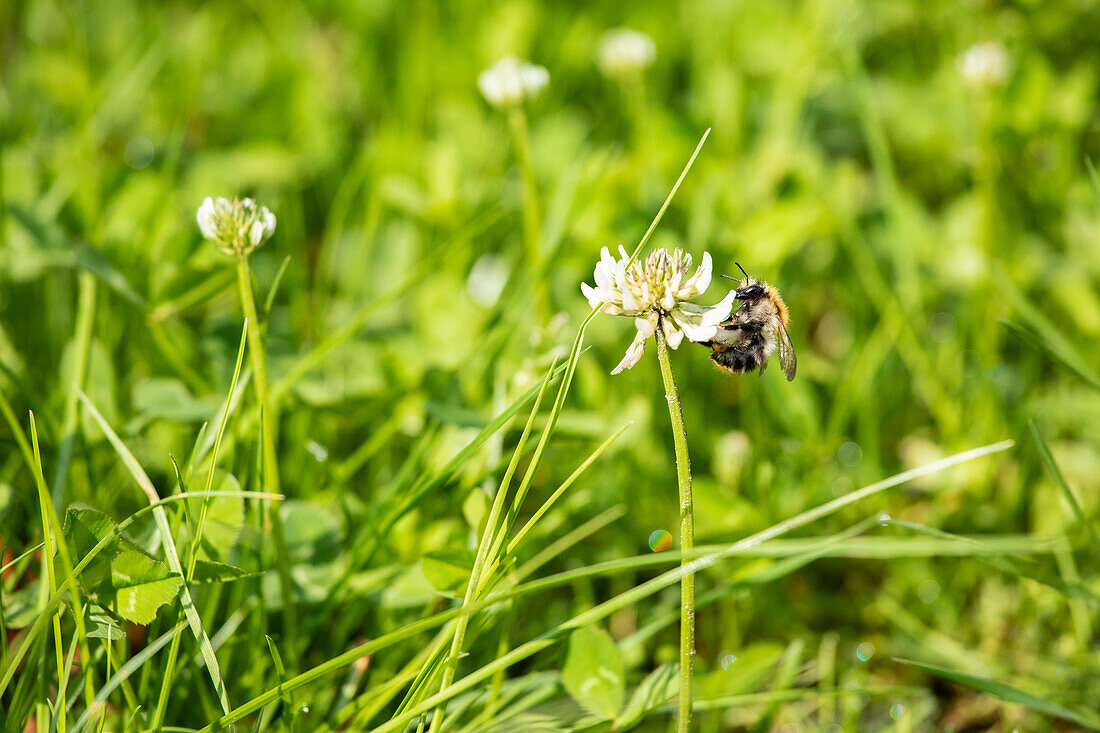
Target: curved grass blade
pixel 1008 693
pixel 1071 498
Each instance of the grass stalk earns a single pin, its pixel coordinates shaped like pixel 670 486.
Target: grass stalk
pixel 258 357
pixel 687 533
pixel 85 317
pixel 532 221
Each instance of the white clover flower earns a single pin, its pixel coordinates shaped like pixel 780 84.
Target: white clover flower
pixel 624 51
pixel 984 64
pixel 656 293
pixel 510 81
pixel 237 226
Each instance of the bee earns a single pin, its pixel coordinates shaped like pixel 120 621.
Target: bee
pixel 746 340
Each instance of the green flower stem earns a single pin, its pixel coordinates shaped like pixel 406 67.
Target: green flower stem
pixel 258 358
pixel 687 534
pixel 532 224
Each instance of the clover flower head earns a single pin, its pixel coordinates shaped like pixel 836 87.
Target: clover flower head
pixel 624 51
pixel 656 293
pixel 510 81
pixel 984 64
pixel 237 226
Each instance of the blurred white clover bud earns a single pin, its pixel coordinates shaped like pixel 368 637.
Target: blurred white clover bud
pixel 237 226
pixel 656 293
pixel 984 64
pixel 624 51
pixel 510 81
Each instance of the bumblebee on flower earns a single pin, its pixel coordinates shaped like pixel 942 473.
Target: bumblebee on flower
pixel 657 293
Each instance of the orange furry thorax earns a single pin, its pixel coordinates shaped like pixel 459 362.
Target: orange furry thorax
pixel 780 306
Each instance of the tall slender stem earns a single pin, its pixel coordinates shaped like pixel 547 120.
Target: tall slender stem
pixel 532 225
pixel 258 358
pixel 687 533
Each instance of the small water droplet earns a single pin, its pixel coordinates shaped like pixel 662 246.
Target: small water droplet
pixel 304 709
pixel 660 540
pixel 928 590
pixel 897 710
pixel 727 659
pixel 139 153
pixel 941 327
pixel 849 454
pixel 865 651
pixel 884 518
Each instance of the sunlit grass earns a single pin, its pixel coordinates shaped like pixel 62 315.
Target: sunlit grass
pixel 873 553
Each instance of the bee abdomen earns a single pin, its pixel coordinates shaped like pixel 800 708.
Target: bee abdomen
pixel 744 355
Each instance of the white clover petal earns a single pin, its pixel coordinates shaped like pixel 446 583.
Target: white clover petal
pixel 256 233
pixel 693 325
pixel 269 223
pixel 633 354
pixel 720 310
pixel 591 295
pixel 205 218
pixel 698 283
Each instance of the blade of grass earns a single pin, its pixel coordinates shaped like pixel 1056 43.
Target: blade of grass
pixel 49 586
pixel 125 671
pixel 50 514
pixel 170 552
pixel 492 527
pixel 85 317
pixel 1067 492
pixel 1018 568
pixel 1008 693
pixel 517 540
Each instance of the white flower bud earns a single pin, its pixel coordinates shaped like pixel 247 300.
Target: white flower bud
pixel 510 81
pixel 984 64
pixel 623 51
pixel 236 226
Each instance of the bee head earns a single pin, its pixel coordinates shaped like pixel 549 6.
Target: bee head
pixel 750 289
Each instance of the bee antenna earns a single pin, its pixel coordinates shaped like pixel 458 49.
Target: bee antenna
pixel 731 277
pixel 742 269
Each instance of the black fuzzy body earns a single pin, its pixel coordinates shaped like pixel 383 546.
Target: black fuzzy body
pixel 747 353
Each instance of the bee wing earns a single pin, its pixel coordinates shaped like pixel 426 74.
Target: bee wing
pixel 786 353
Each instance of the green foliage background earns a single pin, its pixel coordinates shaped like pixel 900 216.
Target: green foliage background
pixel 936 242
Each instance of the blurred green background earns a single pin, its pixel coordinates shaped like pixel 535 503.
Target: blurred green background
pixel 933 231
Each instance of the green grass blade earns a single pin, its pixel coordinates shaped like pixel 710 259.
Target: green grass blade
pixel 125 671
pixel 1067 492
pixel 1008 693
pixel 170 552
